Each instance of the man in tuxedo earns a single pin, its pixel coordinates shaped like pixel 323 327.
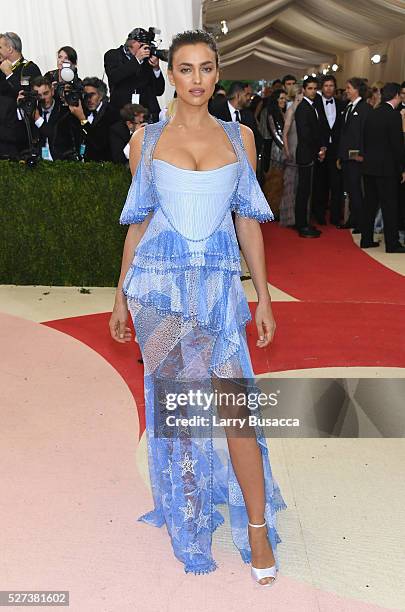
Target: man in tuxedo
pixel 132 118
pixel 13 66
pixel 96 118
pixel 384 169
pixel 9 129
pixel 310 147
pixel 134 76
pixel 55 130
pixel 351 148
pixel 401 105
pixel 328 178
pixel 234 108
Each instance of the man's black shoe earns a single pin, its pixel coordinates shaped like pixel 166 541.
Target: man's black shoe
pixel 308 232
pixel 356 231
pixel 368 245
pixel 398 249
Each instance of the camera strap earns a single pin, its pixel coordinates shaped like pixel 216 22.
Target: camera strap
pixel 18 64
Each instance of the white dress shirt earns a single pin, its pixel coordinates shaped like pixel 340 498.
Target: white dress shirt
pixel 233 111
pixel 90 118
pixel 354 104
pixel 13 64
pixel 330 110
pixel 311 102
pixel 41 120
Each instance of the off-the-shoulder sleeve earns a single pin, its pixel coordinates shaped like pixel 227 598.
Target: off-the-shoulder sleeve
pixel 249 200
pixel 141 198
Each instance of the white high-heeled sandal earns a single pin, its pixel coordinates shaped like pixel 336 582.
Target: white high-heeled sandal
pixel 258 573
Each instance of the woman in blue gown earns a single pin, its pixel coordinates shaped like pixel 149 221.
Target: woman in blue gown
pixel 180 282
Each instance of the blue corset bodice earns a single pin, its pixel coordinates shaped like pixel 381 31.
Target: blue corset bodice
pixel 194 201
pixel 189 255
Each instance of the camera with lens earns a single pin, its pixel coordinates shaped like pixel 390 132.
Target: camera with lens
pixel 29 100
pixel 147 37
pixel 69 89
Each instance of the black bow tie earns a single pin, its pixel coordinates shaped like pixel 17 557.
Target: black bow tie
pixel 329 101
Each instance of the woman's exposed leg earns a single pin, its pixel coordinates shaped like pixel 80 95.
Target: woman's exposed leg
pixel 247 463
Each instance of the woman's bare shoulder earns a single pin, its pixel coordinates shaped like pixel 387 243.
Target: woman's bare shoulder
pixel 137 139
pixel 247 135
pixel 248 141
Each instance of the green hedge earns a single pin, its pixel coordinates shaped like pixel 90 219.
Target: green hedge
pixel 60 223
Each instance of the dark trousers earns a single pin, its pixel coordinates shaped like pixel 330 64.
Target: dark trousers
pixel 303 196
pixel 401 211
pixel 328 180
pixel 352 179
pixel 381 191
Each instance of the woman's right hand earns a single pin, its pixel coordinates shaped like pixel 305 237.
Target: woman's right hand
pixel 118 327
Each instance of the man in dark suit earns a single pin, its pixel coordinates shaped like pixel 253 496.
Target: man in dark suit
pixel 328 179
pixel 132 118
pixel 310 147
pixel 234 108
pixel 351 148
pixel 383 168
pixel 9 129
pixel 134 76
pixel 54 129
pixel 13 66
pixel 96 119
pixel 401 105
pixel 401 109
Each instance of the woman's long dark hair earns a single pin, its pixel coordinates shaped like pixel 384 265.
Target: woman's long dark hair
pixel 273 107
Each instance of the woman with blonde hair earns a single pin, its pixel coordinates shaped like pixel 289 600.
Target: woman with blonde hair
pixel 290 178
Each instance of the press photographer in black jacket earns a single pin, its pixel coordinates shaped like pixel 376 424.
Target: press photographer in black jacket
pixel 96 116
pixel 13 65
pixel 134 75
pixel 54 129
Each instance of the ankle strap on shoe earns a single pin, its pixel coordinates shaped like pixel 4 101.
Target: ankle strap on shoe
pixel 253 524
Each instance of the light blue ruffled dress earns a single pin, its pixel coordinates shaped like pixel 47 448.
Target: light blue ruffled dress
pixel 189 311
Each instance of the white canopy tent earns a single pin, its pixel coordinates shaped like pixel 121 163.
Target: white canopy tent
pixel 268 38
pixel 93 27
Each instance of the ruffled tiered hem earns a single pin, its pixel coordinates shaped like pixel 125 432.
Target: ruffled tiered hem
pixel 274 504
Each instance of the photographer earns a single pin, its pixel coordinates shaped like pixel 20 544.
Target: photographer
pixel 55 131
pixel 96 115
pixel 133 117
pixel 134 74
pixel 65 78
pixel 9 129
pixel 13 66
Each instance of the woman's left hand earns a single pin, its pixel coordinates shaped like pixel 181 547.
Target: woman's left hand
pixel 265 323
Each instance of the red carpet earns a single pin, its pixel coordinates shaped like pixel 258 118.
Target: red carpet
pixel 352 312
pixel 329 268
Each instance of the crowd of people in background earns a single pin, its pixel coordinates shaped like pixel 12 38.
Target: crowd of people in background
pixel 324 154
pixel 59 116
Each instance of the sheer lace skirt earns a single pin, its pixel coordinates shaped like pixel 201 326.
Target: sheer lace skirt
pixel 190 467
